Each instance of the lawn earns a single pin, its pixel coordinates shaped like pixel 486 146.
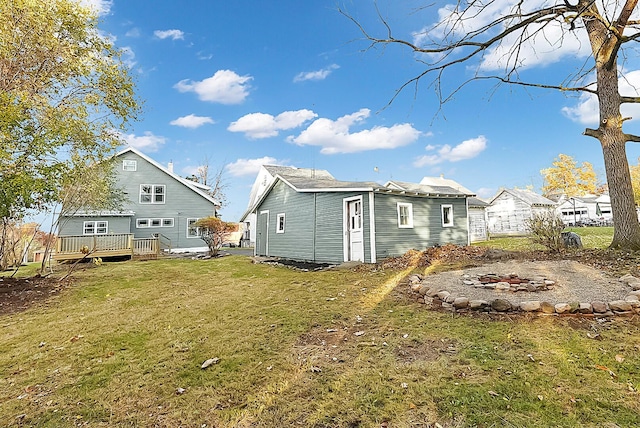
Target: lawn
pixel 124 345
pixel 592 237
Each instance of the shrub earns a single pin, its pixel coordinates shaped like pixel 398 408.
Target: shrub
pixel 546 229
pixel 214 232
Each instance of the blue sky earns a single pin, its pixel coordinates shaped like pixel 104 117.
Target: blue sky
pixel 249 82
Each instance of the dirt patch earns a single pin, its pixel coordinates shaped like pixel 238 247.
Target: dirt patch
pixel 19 294
pixel 425 351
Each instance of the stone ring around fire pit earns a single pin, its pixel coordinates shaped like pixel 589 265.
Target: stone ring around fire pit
pixel 476 290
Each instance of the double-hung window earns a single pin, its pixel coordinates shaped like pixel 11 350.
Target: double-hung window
pixel 447 215
pixel 152 193
pixel 405 215
pixel 95 227
pixel 192 230
pixel 280 223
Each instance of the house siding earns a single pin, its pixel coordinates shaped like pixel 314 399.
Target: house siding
pixel 74 226
pixel 313 224
pixel 427 224
pixel 181 203
pixel 477 224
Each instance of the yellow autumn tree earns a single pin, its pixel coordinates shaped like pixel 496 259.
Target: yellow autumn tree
pixel 566 177
pixel 635 181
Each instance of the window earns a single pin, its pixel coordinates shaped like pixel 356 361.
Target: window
pixel 280 223
pixel 447 215
pixel 154 222
pixel 129 165
pixel 192 230
pixel 405 215
pixel 95 228
pixel 152 193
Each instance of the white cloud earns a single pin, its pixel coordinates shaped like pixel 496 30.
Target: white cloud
pixel 172 34
pixel 224 87
pixel 262 125
pixel 468 149
pixel 334 136
pixel 315 75
pixel 128 57
pixel 191 121
pixel 586 111
pixel 101 7
pixel 486 192
pixel 244 167
pixel 146 143
pixel 134 32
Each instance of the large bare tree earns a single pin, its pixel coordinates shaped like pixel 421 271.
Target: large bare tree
pixel 500 38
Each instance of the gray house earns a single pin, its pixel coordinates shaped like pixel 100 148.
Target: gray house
pixel 326 220
pixel 159 203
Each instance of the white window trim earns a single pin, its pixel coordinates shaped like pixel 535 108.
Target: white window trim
pixel 148 222
pixel 409 224
pixel 278 217
pixel 189 221
pixel 95 225
pixel 153 194
pixel 442 208
pixel 129 165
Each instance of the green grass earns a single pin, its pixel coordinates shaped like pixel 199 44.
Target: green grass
pixel 592 237
pixel 114 348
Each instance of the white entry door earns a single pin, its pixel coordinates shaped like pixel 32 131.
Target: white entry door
pixel 354 230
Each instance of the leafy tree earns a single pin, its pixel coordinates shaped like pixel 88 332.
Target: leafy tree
pixel 566 177
pixel 635 181
pixel 214 232
pixel 65 95
pixel 501 38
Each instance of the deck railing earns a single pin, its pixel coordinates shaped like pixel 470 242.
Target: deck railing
pixel 148 247
pixel 76 247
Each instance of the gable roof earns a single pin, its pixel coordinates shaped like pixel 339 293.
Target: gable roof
pixel 200 189
pixel 441 181
pixel 529 197
pixel 477 202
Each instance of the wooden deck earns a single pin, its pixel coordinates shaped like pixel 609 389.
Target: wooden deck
pixel 94 246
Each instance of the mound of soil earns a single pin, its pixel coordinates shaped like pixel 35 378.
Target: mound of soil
pixel 18 294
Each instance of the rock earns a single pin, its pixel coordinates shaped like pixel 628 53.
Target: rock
pixel 447 305
pixel 501 305
pixel 620 306
pixel 461 303
pixel 574 307
pixel 628 277
pixel 450 298
pixel 530 306
pixel 478 304
pixel 415 287
pixel 585 308
pixel 433 292
pixel 562 308
pixel 503 286
pixel 531 288
pixel 632 298
pixel 468 282
pixel 443 294
pixel 414 278
pixel 549 283
pixel 210 362
pixel 489 286
pixel 635 285
pixel 571 240
pixel 428 301
pixel 634 293
pixel 424 289
pixel 547 308
pixel 599 307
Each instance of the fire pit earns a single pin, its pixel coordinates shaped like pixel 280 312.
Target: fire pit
pixel 511 282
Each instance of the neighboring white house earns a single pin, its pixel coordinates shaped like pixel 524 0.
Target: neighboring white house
pixel 476 207
pixel 265 177
pixel 509 210
pixel 588 209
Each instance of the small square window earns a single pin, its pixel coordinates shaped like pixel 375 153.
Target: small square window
pixel 447 215
pixel 142 222
pixel 405 215
pixel 280 223
pixel 156 222
pixel 89 228
pixel 167 222
pixel 101 228
pixel 129 165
